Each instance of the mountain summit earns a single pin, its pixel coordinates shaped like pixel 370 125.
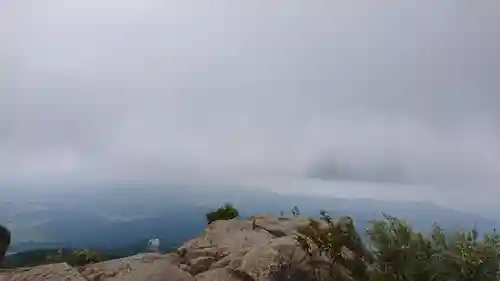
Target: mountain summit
pixel 233 249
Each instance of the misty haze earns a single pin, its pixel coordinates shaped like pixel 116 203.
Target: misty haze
pixel 122 121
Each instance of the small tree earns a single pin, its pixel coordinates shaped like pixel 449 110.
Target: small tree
pixel 4 241
pixel 225 212
pixel 334 249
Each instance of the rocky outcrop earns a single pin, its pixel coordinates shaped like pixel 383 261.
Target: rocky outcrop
pixel 232 250
pixel 243 249
pixel 142 267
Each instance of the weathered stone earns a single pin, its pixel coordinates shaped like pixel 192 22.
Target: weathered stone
pixel 200 264
pixel 225 236
pixel 279 227
pixel 50 272
pixel 248 248
pixel 261 259
pixel 142 267
pixel 211 251
pixel 220 240
pixel 232 260
pixel 173 258
pixel 218 274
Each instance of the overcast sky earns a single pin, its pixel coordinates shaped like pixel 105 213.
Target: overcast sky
pixel 401 94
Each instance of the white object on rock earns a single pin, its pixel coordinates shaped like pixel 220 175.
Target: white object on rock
pixel 154 245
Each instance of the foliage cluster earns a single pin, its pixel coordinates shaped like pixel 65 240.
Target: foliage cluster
pixel 83 257
pixel 225 212
pixel 396 252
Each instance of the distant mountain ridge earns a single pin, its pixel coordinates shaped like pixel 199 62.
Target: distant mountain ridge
pixel 85 219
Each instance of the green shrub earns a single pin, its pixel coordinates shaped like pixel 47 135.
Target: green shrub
pixel 83 257
pixel 335 250
pixel 225 212
pixel 396 252
pixel 4 241
pixel 404 254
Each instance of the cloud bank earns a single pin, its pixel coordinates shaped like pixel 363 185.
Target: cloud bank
pixel 289 91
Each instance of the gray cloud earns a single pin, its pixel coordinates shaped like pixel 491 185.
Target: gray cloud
pixel 178 91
